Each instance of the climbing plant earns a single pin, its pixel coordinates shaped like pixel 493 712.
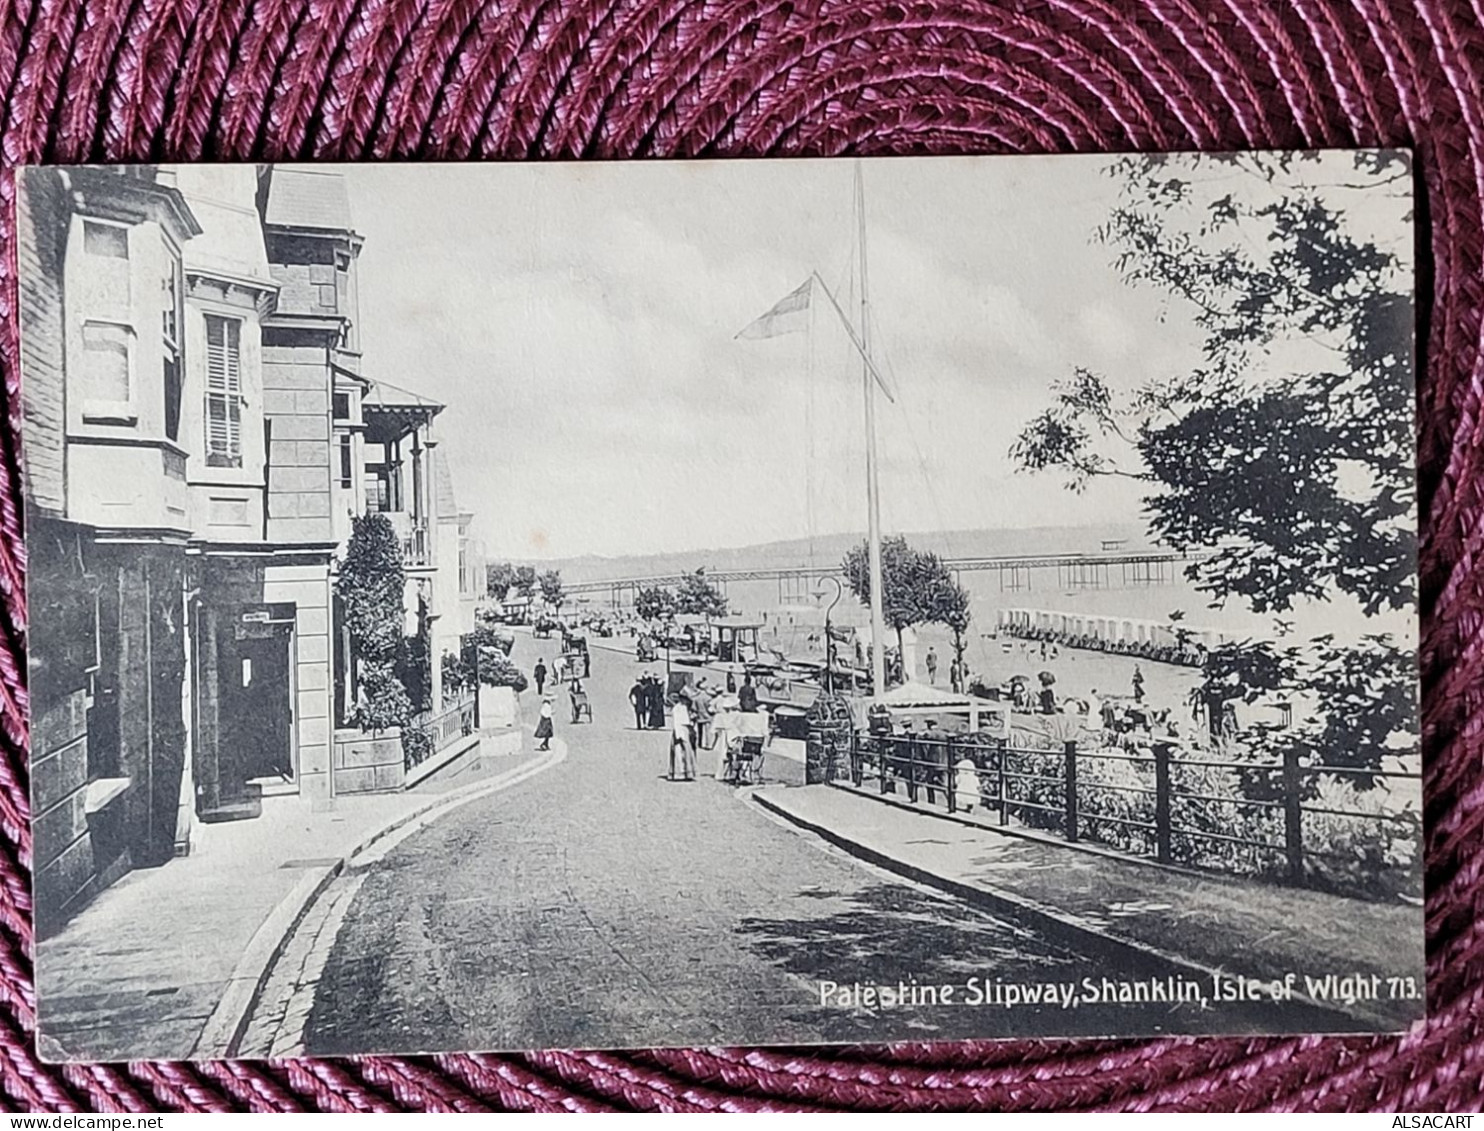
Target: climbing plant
pixel 370 586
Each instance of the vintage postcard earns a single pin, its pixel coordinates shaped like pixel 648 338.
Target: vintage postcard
pixel 720 603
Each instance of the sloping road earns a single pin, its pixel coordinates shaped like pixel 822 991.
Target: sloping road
pixel 600 905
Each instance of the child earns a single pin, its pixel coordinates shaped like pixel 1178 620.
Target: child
pixel 965 785
pixel 544 729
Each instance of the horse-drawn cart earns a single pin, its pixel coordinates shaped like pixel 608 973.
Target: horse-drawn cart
pixel 581 707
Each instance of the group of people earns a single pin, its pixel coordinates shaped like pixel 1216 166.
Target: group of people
pixel 958 671
pixel 647 697
pixel 702 716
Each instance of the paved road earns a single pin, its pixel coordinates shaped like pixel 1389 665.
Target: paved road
pixel 599 905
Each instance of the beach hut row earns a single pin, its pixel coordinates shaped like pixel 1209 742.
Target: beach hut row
pixel 1112 634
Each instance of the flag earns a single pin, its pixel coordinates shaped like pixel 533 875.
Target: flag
pixel 789 316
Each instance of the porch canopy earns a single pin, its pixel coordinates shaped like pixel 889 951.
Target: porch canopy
pixel 391 412
pixel 913 699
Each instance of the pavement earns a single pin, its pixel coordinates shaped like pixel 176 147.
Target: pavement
pixel 164 962
pixel 1204 924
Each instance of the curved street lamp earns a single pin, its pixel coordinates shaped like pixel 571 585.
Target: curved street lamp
pixel 829 639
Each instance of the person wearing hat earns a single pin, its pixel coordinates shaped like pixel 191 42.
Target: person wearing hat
pixel 700 706
pixel 656 703
pixel 544 728
pixel 639 700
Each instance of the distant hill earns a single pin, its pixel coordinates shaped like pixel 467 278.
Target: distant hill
pixel 827 550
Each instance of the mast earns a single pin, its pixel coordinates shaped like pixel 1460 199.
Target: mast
pixel 873 491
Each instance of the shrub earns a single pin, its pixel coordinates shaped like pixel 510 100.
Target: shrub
pixel 417 745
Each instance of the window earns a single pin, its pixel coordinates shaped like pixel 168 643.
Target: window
pixel 107 241
pixel 223 392
pixel 345 463
pixel 378 495
pixel 106 347
pixel 341 406
pixel 170 321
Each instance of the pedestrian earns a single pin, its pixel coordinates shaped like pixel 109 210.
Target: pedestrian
pixel 1138 684
pixel 700 704
pixel 682 742
pixel 932 666
pixel 656 704
pixel 723 730
pixel 747 695
pixel 637 696
pixel 540 674
pixel 544 728
pixel 1094 710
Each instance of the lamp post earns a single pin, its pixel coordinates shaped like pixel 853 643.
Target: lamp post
pixel 829 639
pixel 474 644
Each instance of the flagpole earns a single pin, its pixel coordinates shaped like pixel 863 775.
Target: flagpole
pixel 873 491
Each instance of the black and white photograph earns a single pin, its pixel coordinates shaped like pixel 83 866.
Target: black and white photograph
pixel 720 603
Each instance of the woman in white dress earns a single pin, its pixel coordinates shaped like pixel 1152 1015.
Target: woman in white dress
pixel 680 738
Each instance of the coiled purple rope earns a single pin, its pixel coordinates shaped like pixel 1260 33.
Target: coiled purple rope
pixel 112 80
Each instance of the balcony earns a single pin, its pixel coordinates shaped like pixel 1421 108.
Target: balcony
pixel 417 542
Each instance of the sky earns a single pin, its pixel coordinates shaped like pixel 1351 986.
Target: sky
pixel 579 321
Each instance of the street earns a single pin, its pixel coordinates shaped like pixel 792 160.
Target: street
pixel 600 905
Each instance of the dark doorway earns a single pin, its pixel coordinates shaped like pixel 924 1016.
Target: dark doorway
pixel 257 690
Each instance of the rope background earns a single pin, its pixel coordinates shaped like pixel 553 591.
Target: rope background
pixel 131 80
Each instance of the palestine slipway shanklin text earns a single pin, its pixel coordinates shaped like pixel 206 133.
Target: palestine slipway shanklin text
pixel 1349 988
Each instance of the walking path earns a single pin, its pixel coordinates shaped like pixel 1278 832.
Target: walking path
pixel 1203 923
pixel 166 960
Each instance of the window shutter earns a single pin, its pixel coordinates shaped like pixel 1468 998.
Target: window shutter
pixel 224 390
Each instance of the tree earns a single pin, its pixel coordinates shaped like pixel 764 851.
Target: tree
pixel 1296 482
pixel 917 588
pixel 698 597
pixel 654 603
pixel 525 580
pixel 489 649
pixel 370 584
pixel 500 579
pixel 1285 455
pixel 898 608
pixel 551 588
pixel 943 600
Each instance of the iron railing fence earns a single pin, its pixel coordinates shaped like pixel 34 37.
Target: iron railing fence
pixel 1173 808
pixel 442 728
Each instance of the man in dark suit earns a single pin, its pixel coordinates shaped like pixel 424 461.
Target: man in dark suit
pixel 639 700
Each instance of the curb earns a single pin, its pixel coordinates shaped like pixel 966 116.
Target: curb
pixel 228 1022
pixel 1058 925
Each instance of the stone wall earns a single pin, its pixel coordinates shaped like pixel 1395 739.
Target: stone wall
pixel 308 587
pixel 296 404
pixel 63 851
pixel 368 763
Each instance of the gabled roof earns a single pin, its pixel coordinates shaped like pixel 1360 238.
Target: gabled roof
pixel 445 502
pixel 300 197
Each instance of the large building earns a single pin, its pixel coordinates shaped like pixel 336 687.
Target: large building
pixel 198 438
pixel 109 582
